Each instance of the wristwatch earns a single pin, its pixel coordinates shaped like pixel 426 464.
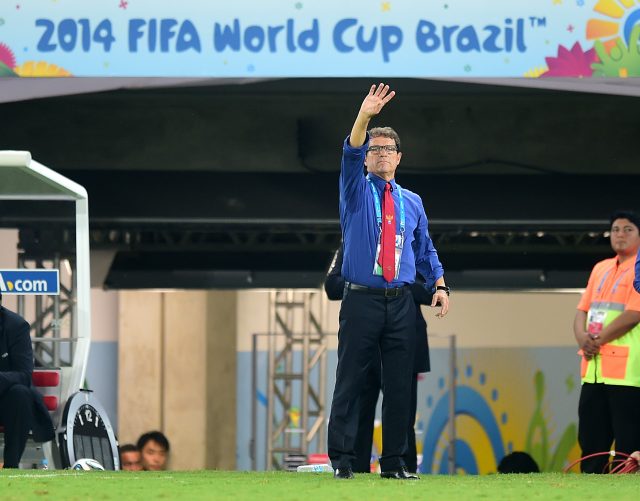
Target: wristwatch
pixel 443 288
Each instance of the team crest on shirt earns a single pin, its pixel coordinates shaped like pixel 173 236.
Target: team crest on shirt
pixel 389 218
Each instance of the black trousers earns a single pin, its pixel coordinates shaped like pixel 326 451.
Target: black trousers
pixel 16 410
pixel 372 324
pixel 607 413
pixel 364 437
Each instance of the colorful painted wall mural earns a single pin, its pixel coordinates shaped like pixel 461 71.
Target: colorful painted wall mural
pixel 506 399
pixel 320 38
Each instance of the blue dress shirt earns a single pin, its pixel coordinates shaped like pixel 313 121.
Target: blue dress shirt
pixel 361 232
pixel 636 280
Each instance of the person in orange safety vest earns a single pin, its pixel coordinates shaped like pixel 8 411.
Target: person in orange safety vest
pixel 607 330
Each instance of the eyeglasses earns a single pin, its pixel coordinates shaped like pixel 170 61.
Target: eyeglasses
pixel 389 148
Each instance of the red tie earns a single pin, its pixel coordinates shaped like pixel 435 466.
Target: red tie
pixel 387 254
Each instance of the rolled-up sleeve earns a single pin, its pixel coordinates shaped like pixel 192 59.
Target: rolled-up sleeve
pixel 352 183
pixel 427 261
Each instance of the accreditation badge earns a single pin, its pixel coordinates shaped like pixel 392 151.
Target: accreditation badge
pixel 377 269
pixel 595 321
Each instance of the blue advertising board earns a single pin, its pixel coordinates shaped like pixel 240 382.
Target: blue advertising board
pixel 30 282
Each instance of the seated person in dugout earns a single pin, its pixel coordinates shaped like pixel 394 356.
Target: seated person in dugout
pixel 22 408
pixel 154 449
pixel 130 458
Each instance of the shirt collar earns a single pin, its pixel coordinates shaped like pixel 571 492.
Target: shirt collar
pixel 629 263
pixel 379 182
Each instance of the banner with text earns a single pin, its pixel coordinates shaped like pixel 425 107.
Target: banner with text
pixel 23 282
pixel 313 38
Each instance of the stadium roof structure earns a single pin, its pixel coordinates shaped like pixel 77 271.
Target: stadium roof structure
pixel 24 89
pixel 24 179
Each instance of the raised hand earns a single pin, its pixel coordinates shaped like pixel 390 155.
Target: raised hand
pixel 376 99
pixel 371 106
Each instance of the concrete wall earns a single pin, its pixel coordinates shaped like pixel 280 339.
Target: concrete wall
pixel 102 368
pixel 479 319
pixel 177 353
pixel 508 319
pixel 9 260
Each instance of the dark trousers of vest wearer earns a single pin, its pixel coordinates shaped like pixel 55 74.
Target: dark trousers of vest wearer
pixel 369 323
pixel 364 438
pixel 16 409
pixel 606 413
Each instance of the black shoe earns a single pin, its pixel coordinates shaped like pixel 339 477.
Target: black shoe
pixel 401 474
pixel 343 473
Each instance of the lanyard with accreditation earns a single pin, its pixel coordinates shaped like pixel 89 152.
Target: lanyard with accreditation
pixel 377 269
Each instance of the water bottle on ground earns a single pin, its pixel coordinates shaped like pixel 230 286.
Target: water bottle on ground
pixel 314 468
pixel 44 464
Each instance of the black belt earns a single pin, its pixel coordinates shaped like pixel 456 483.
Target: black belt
pixel 390 292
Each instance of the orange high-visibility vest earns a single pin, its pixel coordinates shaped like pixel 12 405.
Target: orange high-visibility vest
pixel 609 293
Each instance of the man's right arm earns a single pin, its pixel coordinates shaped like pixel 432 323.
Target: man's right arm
pixel 20 354
pixel 587 344
pixel 352 183
pixel 586 341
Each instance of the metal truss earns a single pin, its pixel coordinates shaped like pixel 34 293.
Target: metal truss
pixel 542 240
pixel 297 365
pixel 282 236
pixel 52 318
pixel 218 238
pixel 279 237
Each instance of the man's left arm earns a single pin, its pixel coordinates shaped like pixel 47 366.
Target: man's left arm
pixel 622 324
pixel 20 354
pixel 428 264
pixel 626 321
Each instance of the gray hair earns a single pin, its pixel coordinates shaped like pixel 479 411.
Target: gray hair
pixel 385 132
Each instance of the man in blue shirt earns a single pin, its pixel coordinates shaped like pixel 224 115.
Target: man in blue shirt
pixel 378 312
pixel 636 280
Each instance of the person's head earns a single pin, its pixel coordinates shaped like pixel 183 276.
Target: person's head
pixel 154 449
pixel 625 233
pixel 130 459
pixel 383 153
pixel 518 462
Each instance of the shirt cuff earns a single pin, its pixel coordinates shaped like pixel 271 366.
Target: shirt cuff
pixel 351 149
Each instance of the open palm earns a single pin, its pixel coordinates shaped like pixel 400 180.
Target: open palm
pixel 376 99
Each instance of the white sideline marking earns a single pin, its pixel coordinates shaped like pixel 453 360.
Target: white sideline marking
pixel 73 474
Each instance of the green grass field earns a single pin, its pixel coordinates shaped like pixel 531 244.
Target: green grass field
pixel 62 485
